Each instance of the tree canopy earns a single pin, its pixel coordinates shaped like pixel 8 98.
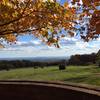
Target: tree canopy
pixel 46 18
pixel 91 9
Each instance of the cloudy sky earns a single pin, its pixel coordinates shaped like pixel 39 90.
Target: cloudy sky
pixel 29 46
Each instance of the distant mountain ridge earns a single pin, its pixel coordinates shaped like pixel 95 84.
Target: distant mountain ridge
pixel 37 59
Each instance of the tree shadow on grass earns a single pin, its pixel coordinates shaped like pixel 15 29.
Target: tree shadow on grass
pixel 77 79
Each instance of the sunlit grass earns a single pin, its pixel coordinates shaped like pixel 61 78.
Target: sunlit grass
pixel 76 74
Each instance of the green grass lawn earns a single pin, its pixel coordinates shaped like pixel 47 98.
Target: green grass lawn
pixel 80 74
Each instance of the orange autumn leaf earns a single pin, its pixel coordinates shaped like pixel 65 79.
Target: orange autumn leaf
pixel 42 17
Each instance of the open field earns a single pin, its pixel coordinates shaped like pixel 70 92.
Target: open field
pixel 80 74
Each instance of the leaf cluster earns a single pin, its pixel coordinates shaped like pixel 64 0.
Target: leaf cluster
pixel 46 18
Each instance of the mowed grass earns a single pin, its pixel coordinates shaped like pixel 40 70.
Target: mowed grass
pixel 76 74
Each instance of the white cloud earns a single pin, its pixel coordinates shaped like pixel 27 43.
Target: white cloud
pixel 35 48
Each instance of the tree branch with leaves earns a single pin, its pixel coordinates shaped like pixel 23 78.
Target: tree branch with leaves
pixel 46 18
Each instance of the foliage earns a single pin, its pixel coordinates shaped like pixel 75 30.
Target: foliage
pixel 85 59
pixel 46 18
pixel 98 58
pixel 92 11
pixel 13 64
pixel 21 16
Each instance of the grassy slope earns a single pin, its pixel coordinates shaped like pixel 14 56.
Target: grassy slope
pixel 85 74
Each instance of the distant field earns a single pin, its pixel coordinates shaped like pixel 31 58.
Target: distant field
pixel 84 75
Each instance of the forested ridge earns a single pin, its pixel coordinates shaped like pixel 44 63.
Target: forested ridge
pixel 84 59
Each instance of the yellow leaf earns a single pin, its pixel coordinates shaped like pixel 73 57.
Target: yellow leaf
pixel 66 5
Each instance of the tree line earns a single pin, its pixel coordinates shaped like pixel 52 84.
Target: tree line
pixel 83 60
pixel 6 65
